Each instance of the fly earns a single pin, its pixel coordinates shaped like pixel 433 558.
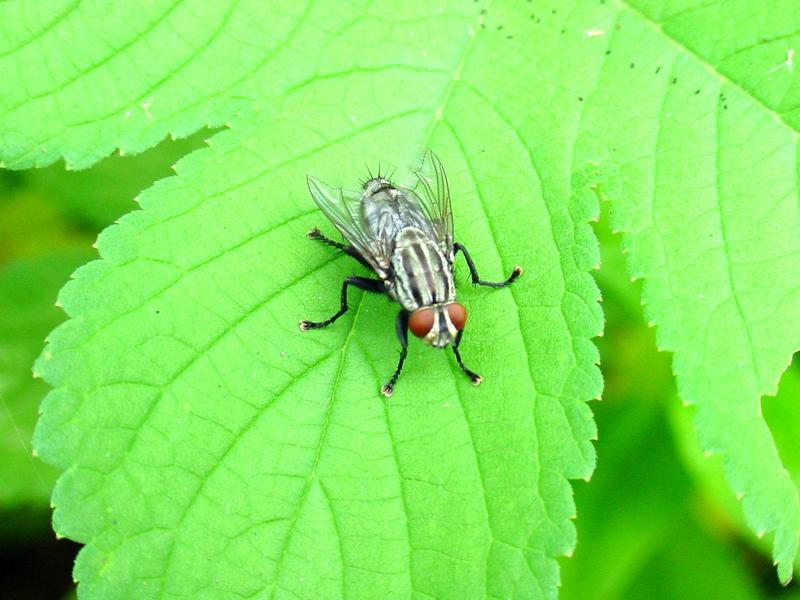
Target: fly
pixel 405 236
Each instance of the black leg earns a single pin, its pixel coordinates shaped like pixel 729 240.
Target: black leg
pixel 476 278
pixel 316 234
pixel 473 376
pixel 369 285
pixel 402 335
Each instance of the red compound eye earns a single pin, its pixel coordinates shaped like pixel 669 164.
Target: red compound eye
pixel 421 322
pixel 458 315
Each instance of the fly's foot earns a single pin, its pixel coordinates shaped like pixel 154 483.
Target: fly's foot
pixel 314 234
pixel 306 325
pixel 387 389
pixel 473 377
pixel 516 273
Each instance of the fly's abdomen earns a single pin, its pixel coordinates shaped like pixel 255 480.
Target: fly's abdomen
pixel 422 275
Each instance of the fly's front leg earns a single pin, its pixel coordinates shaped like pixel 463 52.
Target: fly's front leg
pixel 402 335
pixel 370 285
pixel 316 234
pixel 476 278
pixel 473 376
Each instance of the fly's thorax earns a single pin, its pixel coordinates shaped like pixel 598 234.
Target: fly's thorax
pixel 438 325
pixel 422 275
pixel 386 210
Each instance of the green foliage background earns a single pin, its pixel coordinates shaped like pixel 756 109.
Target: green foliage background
pixel 679 115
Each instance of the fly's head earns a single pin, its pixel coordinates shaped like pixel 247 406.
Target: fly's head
pixel 438 325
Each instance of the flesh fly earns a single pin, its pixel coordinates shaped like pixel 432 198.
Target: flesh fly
pixel 405 236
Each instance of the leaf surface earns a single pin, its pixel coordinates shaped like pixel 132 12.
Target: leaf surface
pixel 212 450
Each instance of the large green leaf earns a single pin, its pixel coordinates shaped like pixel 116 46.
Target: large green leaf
pixel 210 448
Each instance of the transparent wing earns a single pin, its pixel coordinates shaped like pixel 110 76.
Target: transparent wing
pixel 344 212
pixel 433 192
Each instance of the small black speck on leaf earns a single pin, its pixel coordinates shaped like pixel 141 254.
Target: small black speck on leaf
pixel 580 98
pixel 563 31
pixel 696 92
pixel 658 70
pixel 632 65
pixel 674 80
pixel 608 52
pixel 508 37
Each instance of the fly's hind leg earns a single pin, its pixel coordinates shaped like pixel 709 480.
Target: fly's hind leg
pixel 316 234
pixel 473 376
pixel 473 271
pixel 370 285
pixel 402 334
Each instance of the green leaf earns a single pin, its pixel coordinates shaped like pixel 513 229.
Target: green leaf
pixel 211 448
pixel 696 147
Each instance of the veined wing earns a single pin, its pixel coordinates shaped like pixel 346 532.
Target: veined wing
pixel 344 211
pixel 433 192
